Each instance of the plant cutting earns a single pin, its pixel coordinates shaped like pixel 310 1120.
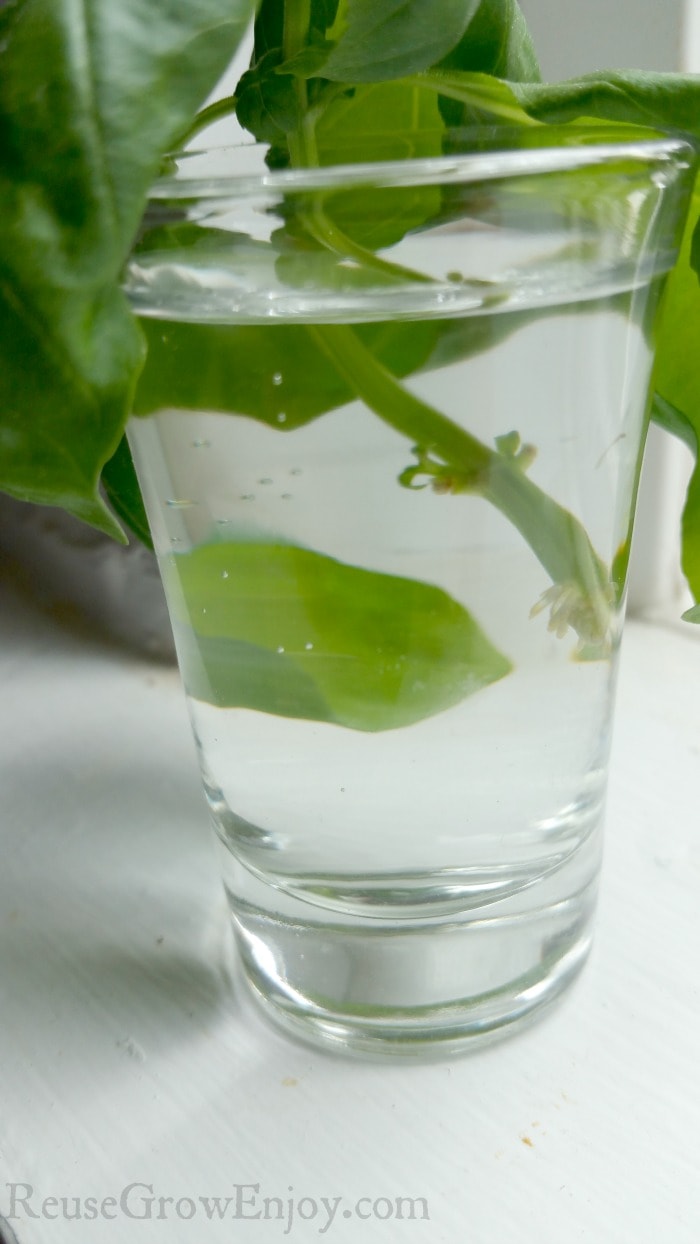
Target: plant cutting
pixel 355 350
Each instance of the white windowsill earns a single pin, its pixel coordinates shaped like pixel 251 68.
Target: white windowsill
pixel 127 1056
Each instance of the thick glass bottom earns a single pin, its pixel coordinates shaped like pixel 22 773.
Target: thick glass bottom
pixel 407 987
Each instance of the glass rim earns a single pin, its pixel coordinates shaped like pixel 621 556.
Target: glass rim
pixel 592 148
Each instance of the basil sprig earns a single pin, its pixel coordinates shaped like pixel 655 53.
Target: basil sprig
pixel 93 93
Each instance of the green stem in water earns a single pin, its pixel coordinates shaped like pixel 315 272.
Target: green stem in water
pixel 325 231
pixel 555 536
pixel 581 595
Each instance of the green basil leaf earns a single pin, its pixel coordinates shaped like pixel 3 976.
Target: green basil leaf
pixel 481 97
pixel 269 23
pixel 92 92
pixel 66 361
pixel 677 376
pixel 267 104
pixel 384 39
pixel 675 422
pixel 497 41
pixel 309 62
pixel 230 368
pixel 385 121
pixel 267 100
pixel 296 633
pixel 655 100
pixel 234 369
pixel 122 488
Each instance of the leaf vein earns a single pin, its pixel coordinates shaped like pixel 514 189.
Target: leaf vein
pixel 85 33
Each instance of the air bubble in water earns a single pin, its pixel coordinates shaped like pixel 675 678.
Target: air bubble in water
pixel 179 503
pixel 200 444
pixel 265 480
pixel 224 574
pixel 247 496
pixel 285 496
pixel 295 471
pixel 308 647
pixel 282 417
pixel 280 651
pixel 277 378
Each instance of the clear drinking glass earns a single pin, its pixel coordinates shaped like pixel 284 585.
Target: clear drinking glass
pixel 389 434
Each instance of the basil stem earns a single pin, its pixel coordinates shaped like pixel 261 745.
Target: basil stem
pixel 555 536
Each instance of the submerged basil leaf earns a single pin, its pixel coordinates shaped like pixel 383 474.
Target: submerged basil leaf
pixel 296 633
pixel 231 368
pixel 236 369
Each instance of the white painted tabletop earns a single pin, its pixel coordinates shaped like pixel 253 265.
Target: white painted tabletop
pixel 129 1058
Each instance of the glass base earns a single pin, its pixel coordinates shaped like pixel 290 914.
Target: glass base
pixel 407 987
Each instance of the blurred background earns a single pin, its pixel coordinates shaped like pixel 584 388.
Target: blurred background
pixel 573 38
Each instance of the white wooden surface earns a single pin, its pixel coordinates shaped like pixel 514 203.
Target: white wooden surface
pixel 129 1056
